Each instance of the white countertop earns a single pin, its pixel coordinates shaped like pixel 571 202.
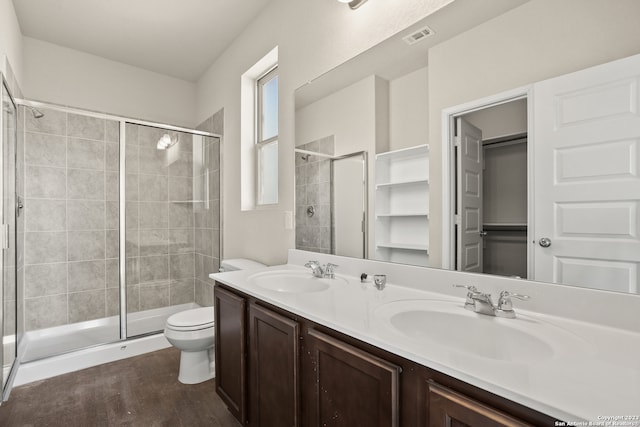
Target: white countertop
pixel 592 372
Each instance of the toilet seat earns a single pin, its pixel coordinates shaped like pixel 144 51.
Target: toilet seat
pixel 192 320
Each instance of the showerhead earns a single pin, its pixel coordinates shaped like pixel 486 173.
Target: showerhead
pixel 37 114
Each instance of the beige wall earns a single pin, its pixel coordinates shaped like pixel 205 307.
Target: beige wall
pixel 500 120
pixel 313 37
pixel 10 40
pixel 409 110
pixel 69 77
pixel 539 40
pixel 348 114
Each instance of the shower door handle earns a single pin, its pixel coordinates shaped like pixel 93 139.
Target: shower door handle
pixel 5 236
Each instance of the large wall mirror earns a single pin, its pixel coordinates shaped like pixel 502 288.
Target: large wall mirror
pixel 391 102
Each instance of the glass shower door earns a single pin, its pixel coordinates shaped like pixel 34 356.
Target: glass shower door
pixel 8 123
pixel 172 198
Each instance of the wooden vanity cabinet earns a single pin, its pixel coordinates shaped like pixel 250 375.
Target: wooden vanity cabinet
pixel 274 368
pixel 347 386
pixel 257 361
pixel 231 351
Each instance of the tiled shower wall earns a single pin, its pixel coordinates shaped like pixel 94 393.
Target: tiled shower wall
pixel 70 218
pixel 313 188
pixel 207 221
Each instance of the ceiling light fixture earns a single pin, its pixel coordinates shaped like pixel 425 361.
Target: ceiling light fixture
pixel 353 4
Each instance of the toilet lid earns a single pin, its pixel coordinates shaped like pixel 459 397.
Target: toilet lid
pixel 197 318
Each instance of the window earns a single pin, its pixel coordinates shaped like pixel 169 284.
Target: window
pixel 267 137
pixel 259 134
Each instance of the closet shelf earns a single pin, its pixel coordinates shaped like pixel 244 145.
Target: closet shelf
pixel 493 226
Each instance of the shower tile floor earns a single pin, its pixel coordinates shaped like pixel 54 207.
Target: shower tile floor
pixel 139 391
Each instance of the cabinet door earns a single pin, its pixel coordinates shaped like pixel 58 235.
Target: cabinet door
pixel 230 351
pixel 273 371
pixel 451 409
pixel 347 386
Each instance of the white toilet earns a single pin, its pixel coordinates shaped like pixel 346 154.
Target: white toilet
pixel 193 333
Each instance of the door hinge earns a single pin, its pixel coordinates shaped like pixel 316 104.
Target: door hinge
pixel 457 219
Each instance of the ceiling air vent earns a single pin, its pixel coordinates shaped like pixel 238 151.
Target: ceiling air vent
pixel 418 35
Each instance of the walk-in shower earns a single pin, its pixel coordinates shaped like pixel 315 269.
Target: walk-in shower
pixel 118 227
pixel 331 199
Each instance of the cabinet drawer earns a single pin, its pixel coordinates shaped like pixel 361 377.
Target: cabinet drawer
pixel 448 408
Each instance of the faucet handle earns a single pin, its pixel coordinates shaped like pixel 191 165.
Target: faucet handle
pixel 469 303
pixel 312 264
pixel 380 281
pixel 470 288
pixel 472 291
pixel 504 302
pixel 329 270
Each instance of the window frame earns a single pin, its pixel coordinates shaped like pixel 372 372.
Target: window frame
pixel 260 143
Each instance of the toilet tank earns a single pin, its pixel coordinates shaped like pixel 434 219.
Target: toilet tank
pixel 239 264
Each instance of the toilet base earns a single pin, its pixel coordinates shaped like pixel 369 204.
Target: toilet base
pixel 196 367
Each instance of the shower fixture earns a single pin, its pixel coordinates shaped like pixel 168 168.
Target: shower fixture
pixel 37 114
pixel 353 4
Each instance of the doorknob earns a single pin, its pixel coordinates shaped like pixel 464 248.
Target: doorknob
pixel 483 233
pixel 545 242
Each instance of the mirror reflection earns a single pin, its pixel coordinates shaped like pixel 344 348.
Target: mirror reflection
pixel 331 194
pixel 388 102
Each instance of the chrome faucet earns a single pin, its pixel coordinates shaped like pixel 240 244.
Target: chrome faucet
pixel 326 271
pixel 481 302
pixel 316 269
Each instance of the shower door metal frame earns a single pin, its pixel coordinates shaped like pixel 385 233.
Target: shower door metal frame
pixel 6 386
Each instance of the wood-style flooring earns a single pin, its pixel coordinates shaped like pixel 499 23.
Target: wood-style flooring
pixel 139 391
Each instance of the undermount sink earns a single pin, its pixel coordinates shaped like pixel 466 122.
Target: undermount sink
pixel 287 281
pixel 448 325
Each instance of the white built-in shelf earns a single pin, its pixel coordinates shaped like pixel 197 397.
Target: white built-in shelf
pixel 405 246
pixel 402 205
pixel 403 215
pixel 384 185
pixel 418 150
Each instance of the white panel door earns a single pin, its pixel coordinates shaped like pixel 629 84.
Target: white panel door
pixel 587 184
pixel 469 194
